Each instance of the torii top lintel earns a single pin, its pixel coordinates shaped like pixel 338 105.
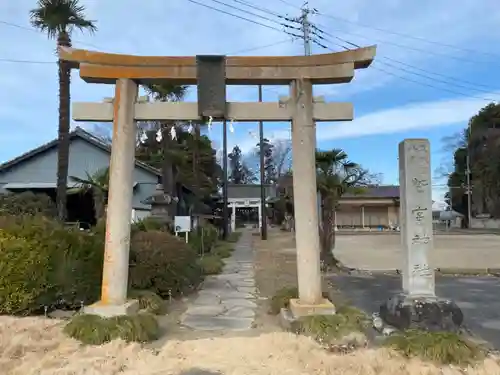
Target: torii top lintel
pixel 99 67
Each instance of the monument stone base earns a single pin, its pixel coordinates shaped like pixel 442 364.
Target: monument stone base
pixel 130 307
pixel 404 311
pixel 297 310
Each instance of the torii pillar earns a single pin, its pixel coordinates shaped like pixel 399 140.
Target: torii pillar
pixel 118 215
pixel 305 201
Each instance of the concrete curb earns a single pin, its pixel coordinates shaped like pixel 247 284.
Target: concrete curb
pixel 441 271
pixel 469 271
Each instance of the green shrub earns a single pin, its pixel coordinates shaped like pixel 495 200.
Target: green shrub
pixel 234 237
pixel 149 301
pixel 282 299
pixel 223 250
pixel 149 224
pixel 23 274
pixel 95 330
pixel 44 264
pixel 211 264
pixel 328 329
pixel 203 238
pixel 163 264
pixel 27 203
pixel 439 347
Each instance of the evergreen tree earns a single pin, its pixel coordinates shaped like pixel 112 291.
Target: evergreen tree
pixel 270 172
pixel 239 171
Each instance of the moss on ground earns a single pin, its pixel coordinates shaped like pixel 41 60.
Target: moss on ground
pixel 149 301
pixel 96 330
pixel 348 324
pixel 223 249
pixel 282 299
pixel 438 347
pixel 211 264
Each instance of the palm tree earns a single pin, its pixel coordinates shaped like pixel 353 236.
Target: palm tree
pixel 336 175
pixel 98 185
pixel 57 19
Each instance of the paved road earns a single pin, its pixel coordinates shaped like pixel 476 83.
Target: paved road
pixel 478 297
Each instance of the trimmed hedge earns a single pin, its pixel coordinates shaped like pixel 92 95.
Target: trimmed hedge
pixel 27 203
pixel 43 264
pixel 163 264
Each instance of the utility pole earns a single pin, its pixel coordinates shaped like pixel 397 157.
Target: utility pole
pixel 263 216
pixel 306 28
pixel 468 180
pixel 469 190
pixel 225 208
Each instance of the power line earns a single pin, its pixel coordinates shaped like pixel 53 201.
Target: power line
pixel 38 32
pixel 414 81
pixel 405 64
pixel 406 47
pixel 255 14
pixel 447 81
pixel 290 4
pixel 408 36
pixel 244 19
pixel 264 10
pixel 231 53
pixel 261 47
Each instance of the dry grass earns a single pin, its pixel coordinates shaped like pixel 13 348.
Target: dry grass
pixel 37 346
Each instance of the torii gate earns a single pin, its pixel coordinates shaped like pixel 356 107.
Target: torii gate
pixel 212 74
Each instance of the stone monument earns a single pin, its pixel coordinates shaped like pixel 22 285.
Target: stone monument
pixel 417 305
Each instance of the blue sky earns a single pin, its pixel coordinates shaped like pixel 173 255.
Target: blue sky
pixel 388 106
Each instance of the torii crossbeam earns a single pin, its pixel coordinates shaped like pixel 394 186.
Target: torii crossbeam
pixel 212 74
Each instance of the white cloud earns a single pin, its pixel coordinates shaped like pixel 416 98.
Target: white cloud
pixel 410 117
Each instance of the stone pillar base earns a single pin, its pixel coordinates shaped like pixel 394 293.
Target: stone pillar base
pixel 298 310
pixel 324 307
pixel 403 311
pixel 131 307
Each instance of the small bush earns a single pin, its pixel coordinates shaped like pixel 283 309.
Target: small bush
pixel 332 329
pixel 27 203
pixel 439 347
pixel 223 250
pixel 23 275
pixel 204 238
pixel 149 301
pixel 149 224
pixel 44 264
pixel 95 330
pixel 234 237
pixel 211 264
pixel 282 299
pixel 163 264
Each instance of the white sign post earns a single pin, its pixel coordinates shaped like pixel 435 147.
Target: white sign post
pixel 182 225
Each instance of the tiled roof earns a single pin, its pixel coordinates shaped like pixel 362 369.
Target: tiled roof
pixel 376 191
pixel 381 191
pixel 77 133
pixel 248 191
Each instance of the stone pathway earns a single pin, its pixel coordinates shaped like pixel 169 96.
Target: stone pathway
pixel 227 301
